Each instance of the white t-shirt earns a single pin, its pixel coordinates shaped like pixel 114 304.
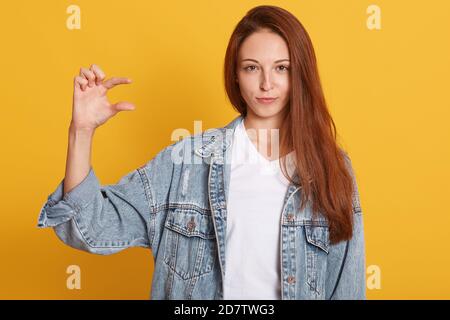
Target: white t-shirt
pixel 255 200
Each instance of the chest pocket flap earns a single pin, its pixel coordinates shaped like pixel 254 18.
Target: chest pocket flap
pixel 318 236
pixel 191 222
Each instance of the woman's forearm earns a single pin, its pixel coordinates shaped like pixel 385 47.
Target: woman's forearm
pixel 78 160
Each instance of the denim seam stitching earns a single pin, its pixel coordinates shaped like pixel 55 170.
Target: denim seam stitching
pixel 151 204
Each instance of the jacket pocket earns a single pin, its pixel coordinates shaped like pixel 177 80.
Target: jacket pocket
pixel 317 248
pixel 190 247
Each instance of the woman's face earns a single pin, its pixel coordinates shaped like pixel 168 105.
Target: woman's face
pixel 263 71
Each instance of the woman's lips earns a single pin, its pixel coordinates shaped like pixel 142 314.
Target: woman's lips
pixel 266 100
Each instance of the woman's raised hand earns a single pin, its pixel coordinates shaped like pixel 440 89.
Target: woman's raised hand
pixel 91 107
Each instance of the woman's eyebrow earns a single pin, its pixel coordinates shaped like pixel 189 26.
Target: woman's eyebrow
pixel 258 61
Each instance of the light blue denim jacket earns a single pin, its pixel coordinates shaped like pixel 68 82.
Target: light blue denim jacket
pixel 175 205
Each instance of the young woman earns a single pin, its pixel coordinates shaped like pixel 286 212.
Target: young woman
pixel 283 226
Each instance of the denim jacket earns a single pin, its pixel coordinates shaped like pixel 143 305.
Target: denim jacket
pixel 175 205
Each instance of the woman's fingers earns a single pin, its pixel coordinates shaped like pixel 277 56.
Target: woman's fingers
pixel 89 75
pixel 123 106
pixel 81 82
pixel 99 74
pixel 110 83
pixel 95 75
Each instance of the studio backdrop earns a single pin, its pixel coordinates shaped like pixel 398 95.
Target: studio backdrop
pixel 385 70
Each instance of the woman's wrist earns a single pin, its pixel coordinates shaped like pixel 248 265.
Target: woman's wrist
pixel 74 129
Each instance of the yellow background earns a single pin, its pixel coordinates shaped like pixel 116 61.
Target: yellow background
pixel 387 89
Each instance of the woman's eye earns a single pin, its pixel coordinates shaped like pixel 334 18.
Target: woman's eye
pixel 251 68
pixel 247 68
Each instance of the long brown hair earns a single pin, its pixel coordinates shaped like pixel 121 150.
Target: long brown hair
pixel 323 168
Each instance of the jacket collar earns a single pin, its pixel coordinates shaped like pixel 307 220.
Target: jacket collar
pixel 217 140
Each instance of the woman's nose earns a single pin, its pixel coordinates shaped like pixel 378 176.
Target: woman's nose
pixel 266 83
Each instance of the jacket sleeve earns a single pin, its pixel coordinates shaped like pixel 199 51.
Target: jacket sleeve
pixel 351 279
pixel 105 219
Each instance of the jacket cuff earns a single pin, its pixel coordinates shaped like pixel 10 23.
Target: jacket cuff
pixel 60 208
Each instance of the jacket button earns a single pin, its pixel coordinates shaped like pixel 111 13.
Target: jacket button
pixel 291 279
pixel 290 217
pixel 191 224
